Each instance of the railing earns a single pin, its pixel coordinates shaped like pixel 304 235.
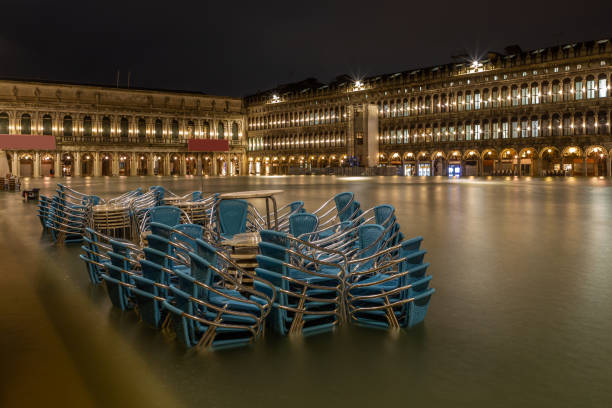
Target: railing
pixel 345 171
pixel 119 140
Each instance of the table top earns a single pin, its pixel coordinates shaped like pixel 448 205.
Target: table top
pixel 249 194
pixel 245 240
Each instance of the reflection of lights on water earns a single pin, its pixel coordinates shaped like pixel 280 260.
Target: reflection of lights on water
pixel 353 178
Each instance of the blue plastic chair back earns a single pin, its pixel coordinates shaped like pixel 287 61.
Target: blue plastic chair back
pixel 302 223
pixel 195 231
pixel 161 230
pixel 196 196
pixel 233 217
pixel 274 237
pixel 382 214
pixel 200 270
pixel 367 236
pixel 297 205
pixel 342 205
pixel 165 214
pixel 207 251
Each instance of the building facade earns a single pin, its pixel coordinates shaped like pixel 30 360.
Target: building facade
pixel 106 131
pixel 538 112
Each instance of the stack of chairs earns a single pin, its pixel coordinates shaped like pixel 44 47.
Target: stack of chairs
pixel 68 214
pixel 388 288
pixel 309 289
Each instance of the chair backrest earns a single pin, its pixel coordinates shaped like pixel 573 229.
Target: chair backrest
pixel 207 251
pixel 196 195
pixel 194 231
pixel 165 214
pixel 383 214
pixel 156 256
pixel 200 271
pixel 297 205
pixel 274 237
pixel 302 223
pixel 159 243
pixel 233 216
pixel 161 230
pixel 343 201
pixel 153 271
pixel 368 235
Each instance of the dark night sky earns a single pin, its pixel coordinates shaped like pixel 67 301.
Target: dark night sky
pixel 228 48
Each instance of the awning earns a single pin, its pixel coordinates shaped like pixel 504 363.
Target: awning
pixel 208 145
pixel 27 142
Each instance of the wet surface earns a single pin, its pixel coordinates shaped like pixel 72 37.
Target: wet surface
pixel 522 315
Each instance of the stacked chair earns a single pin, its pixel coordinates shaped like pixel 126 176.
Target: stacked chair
pixel 314 272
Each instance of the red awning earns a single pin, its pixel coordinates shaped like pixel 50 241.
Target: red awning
pixel 27 142
pixel 208 145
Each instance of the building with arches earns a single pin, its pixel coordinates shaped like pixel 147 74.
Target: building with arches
pixel 538 112
pixel 107 131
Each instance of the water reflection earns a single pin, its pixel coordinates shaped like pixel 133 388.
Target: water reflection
pixel 521 316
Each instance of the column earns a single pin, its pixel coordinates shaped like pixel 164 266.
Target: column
pixel 584 165
pixel 96 164
pixel 115 164
pixel 183 159
pixel 150 164
pixel 480 167
pixel 77 164
pixel 608 165
pixel 36 170
pixel 58 166
pixel 166 159
pixel 214 165
pixel 134 160
pixel 199 164
pixel 16 168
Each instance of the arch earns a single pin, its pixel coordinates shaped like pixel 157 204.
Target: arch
pixel 47 164
pixel 572 150
pixel 106 165
pixel 142 164
pixel 87 164
pixel 67 163
pixel 471 154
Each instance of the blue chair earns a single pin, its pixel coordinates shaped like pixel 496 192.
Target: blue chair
pixel 150 291
pixel 232 217
pixel 94 255
pixel 209 316
pixel 165 214
pixel 302 223
pixel 309 296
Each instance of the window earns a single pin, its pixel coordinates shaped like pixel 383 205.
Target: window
pixel 578 90
pixel 514 128
pixel 460 104
pixel 124 125
pixel 4 123
pixel 495 132
pixel 495 97
pixel 524 95
pixel 567 88
pixel 477 100
pixel 535 94
pixel 234 131
pixel 567 122
pixel 524 130
pixel 106 127
pixel 590 87
pixel 221 130
pixel 556 91
pixel 515 97
pixel 504 130
pixel 48 125
pixel 603 86
pixel 468 131
pixel 158 129
pixel 468 100
pixel 142 130
pixel 67 126
pixel 26 124
pixel 174 129
pixel 486 130
pixel 477 132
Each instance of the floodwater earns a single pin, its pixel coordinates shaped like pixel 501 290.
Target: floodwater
pixel 522 316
